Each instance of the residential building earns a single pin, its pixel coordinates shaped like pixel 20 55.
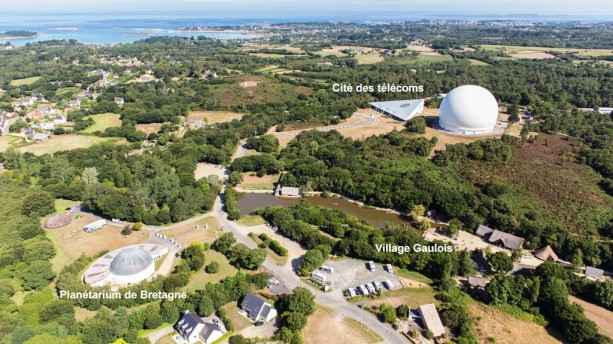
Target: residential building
pixel 59 120
pixel 40 137
pixel 75 103
pixel 118 101
pixel 257 309
pixel 193 329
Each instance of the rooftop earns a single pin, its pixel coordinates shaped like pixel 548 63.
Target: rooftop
pixel 401 109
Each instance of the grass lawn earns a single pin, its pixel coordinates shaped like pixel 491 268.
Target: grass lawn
pixel 477 62
pixel 64 90
pixel 413 275
pixel 277 258
pixel 369 58
pixel 238 321
pixel 422 59
pixel 201 278
pixel 26 81
pixel 64 142
pixel 9 141
pixel 253 182
pixel 581 52
pixel 413 297
pixel 365 332
pixel 142 333
pixel 103 121
pixel 62 205
pixel 223 338
pixel 251 220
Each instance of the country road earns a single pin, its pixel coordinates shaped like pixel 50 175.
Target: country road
pixel 333 300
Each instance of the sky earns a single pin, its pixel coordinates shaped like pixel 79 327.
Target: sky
pixel 253 8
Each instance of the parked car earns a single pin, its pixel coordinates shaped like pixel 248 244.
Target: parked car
pixel 258 323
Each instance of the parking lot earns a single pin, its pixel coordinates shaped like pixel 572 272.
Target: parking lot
pixel 349 273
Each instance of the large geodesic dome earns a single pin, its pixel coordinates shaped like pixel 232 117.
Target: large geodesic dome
pixel 469 110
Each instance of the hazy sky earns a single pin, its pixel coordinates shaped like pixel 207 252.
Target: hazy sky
pixel 249 8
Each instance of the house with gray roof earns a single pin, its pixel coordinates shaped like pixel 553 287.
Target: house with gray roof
pixel 500 238
pixel 257 309
pixel 193 329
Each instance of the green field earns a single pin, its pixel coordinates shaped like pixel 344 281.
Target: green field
pixel 62 143
pixel 369 58
pixel 273 70
pixel 64 90
pixel 477 62
pixel 26 81
pixel 201 278
pixel 580 52
pixel 251 220
pixel 61 205
pixel 413 275
pixel 103 121
pixel 422 59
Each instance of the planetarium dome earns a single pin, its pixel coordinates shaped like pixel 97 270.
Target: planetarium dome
pixel 469 110
pixel 131 261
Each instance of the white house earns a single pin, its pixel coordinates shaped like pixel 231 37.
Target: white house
pixel 257 309
pixel 46 125
pixel 75 103
pixel 59 120
pixel 193 329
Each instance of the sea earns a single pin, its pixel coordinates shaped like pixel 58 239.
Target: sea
pixel 105 29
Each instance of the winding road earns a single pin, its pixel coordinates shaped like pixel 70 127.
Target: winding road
pixel 285 272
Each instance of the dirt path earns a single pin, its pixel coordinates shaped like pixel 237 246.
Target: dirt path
pixel 601 316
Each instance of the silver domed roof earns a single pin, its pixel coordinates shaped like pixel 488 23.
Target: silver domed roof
pixel 130 261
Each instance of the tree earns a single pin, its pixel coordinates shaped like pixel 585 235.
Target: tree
pixel 57 309
pixel 387 314
pixel 37 275
pixel 416 125
pixel 127 230
pixel 38 203
pixel 235 178
pixel 513 111
pixel 293 320
pixel 500 261
pixel 417 212
pixel 402 312
pixel 212 268
pixel 90 175
pixel 194 257
pixel 300 300
pixel 454 227
pixel 311 261
pixel 223 243
pixel 466 265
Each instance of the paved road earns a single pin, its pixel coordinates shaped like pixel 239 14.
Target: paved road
pixel 159 334
pixel 333 300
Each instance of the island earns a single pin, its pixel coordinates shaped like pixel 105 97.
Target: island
pixel 18 34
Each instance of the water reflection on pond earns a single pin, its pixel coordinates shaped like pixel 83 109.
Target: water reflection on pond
pixel 248 202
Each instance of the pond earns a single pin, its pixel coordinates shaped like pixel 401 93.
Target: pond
pixel 248 202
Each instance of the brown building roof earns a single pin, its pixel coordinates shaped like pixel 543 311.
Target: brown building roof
pixel 546 253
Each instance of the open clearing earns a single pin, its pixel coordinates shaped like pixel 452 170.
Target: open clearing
pixel 601 316
pixel 505 329
pixel 212 117
pixel 581 52
pixel 103 121
pixel 149 128
pixel 187 231
pixel 532 55
pixel 369 58
pixel 289 48
pixel 64 142
pixel 26 81
pixel 199 280
pixel 422 58
pixel 204 169
pixel 253 182
pixel 238 321
pixel 324 326
pixel 477 62
pixel 413 297
pixel 72 240
pixel 383 125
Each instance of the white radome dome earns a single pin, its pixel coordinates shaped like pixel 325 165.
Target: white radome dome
pixel 469 110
